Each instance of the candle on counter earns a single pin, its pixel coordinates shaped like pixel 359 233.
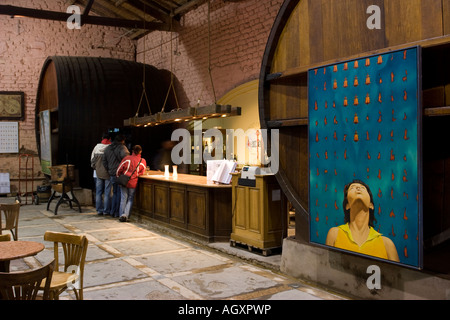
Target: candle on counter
pixel 166 171
pixel 175 172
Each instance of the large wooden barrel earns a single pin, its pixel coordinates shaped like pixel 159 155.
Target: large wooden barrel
pixel 308 34
pixel 87 96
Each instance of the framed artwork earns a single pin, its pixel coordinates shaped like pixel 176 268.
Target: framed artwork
pixel 365 183
pixel 12 105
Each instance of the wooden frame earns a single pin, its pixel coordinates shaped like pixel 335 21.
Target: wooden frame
pixel 12 105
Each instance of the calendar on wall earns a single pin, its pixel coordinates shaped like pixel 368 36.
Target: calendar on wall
pixel 9 137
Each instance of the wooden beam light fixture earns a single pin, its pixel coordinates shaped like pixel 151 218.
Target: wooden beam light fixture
pixel 188 114
pixel 183 115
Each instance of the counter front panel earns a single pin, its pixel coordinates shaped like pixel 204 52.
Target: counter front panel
pixel 189 203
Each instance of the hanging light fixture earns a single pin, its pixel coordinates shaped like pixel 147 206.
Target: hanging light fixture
pixel 216 111
pixel 187 114
pixel 136 120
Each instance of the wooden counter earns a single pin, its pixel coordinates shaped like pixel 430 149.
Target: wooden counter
pixel 188 203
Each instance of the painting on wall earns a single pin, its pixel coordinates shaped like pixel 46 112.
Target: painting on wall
pixel 365 184
pixel 12 105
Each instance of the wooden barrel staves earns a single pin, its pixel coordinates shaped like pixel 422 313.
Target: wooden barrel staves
pixel 308 34
pixel 87 96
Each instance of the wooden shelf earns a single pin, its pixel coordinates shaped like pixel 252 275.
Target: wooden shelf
pixel 428 112
pixel 437 111
pixel 303 70
pixel 272 124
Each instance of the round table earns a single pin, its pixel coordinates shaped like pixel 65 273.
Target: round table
pixel 11 250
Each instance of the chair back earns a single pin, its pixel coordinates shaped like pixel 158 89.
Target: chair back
pixel 74 247
pixel 11 212
pixel 25 285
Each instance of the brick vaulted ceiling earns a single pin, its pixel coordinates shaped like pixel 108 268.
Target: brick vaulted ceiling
pixel 138 16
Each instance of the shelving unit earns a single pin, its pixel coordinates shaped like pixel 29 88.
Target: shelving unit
pixel 26 175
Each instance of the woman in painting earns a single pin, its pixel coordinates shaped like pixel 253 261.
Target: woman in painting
pixel 358 234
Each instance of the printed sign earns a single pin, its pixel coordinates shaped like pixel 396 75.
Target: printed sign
pixel 9 137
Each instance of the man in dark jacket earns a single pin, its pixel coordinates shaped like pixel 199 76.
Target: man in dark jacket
pixel 112 157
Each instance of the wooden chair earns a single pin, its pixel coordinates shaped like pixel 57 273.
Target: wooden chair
pixel 74 247
pixel 11 212
pixel 4 265
pixel 25 285
pixel 5 237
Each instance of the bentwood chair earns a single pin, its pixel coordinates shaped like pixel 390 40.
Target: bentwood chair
pixel 5 237
pixel 11 212
pixel 4 265
pixel 24 285
pixel 74 248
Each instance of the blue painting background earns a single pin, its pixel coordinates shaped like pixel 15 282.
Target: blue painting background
pixel 385 154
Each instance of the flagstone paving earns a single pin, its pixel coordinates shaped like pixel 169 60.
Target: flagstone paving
pixel 129 261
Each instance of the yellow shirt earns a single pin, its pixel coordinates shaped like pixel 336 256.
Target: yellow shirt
pixel 373 246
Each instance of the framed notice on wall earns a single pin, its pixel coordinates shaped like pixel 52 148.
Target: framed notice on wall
pixel 9 137
pixel 365 183
pixel 45 141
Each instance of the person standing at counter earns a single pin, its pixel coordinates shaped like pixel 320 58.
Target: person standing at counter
pixel 134 166
pixel 112 157
pixel 101 176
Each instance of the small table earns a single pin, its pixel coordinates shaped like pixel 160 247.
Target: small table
pixel 11 250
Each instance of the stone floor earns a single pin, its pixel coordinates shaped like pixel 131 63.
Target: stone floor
pixel 128 261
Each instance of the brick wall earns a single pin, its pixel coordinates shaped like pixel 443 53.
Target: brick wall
pixel 238 36
pixel 25 43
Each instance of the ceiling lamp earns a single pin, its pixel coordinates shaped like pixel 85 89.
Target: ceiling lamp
pixel 144 93
pixel 144 121
pixel 177 115
pixel 180 115
pixel 216 111
pixel 191 113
